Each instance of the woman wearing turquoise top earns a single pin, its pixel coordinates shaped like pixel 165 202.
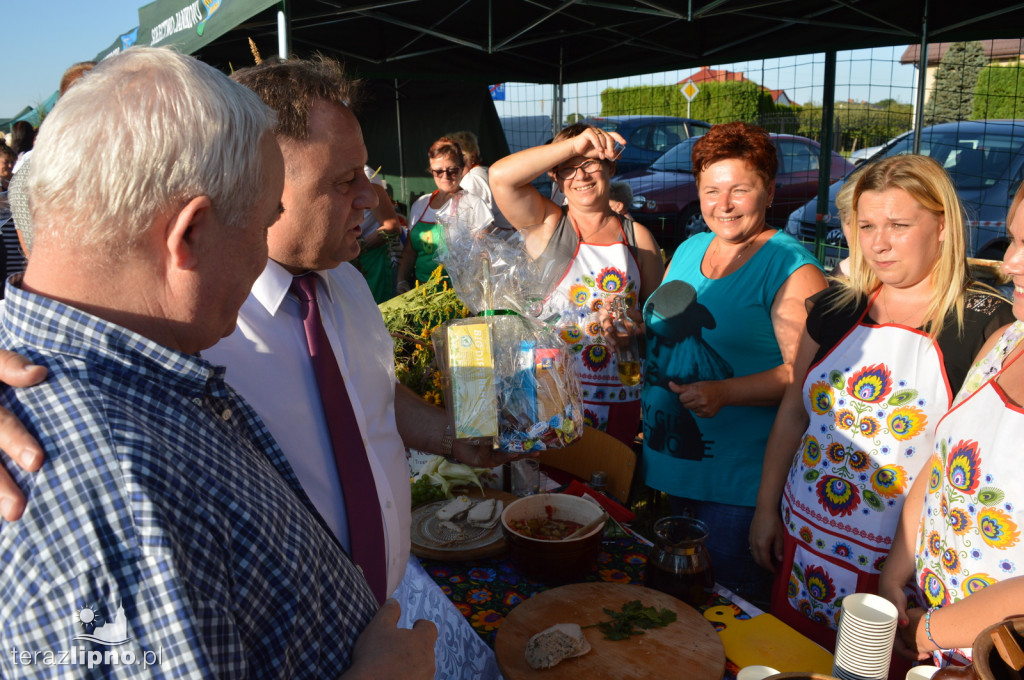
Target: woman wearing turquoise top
pixel 722 332
pixel 429 213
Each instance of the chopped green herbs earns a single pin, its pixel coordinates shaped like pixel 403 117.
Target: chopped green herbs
pixel 633 617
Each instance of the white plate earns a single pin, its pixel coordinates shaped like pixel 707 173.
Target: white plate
pixel 428 533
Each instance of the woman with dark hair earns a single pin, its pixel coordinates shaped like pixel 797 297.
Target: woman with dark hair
pixel 722 333
pixel 882 355
pixel 23 135
pixel 429 213
pixel 588 256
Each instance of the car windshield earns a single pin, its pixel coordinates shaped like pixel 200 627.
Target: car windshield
pixel 677 159
pixel 974 159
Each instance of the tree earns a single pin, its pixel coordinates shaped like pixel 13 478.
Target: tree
pixel 952 97
pixel 1000 93
pixel 573 118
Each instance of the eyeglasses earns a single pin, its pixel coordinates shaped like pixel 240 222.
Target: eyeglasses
pixel 588 167
pixel 450 172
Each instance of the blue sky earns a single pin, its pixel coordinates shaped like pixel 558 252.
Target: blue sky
pixel 44 37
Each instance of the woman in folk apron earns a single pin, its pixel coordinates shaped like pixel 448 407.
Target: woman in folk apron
pixel 959 538
pixel 879 362
pixel 588 255
pixel 429 213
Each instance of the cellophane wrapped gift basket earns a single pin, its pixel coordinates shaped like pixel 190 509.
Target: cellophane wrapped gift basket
pixel 508 375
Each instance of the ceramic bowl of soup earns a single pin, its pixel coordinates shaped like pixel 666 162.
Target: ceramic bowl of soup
pixel 535 529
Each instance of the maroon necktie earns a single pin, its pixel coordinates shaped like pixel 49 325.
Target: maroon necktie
pixel 362 507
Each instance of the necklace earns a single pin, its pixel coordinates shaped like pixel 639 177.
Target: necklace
pixel 588 238
pixel 737 256
pixel 885 303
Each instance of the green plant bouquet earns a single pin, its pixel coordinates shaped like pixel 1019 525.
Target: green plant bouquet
pixel 410 318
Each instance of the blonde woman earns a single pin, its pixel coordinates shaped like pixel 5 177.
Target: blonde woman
pixel 881 357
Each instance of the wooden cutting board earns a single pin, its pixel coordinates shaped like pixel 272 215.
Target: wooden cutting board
pixel 767 641
pixel 687 648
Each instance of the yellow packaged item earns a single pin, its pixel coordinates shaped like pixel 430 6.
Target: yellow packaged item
pixel 471 366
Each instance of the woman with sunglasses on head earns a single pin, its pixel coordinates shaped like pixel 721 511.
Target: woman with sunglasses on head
pixel 429 213
pixel 587 255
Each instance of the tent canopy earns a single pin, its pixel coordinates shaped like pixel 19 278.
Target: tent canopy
pixel 187 25
pixel 492 41
pixel 418 53
pixel 33 115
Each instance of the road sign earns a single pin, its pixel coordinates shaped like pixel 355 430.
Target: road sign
pixel 498 92
pixel 690 91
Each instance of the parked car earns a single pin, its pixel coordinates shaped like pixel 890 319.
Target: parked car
pixel 985 160
pixel 523 132
pixel 665 195
pixel 647 137
pixel 861 155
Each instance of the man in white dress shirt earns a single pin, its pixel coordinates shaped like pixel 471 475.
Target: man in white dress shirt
pixel 326 193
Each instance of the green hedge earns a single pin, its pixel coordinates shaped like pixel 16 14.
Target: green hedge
pixel 715 103
pixel 999 93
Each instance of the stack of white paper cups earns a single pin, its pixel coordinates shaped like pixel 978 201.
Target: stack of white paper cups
pixel 867 626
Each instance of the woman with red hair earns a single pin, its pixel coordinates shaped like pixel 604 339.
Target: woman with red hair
pixel 722 333
pixel 430 212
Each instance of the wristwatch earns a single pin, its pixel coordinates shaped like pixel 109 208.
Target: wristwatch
pixel 447 440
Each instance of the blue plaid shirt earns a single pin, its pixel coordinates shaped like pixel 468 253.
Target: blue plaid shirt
pixel 165 515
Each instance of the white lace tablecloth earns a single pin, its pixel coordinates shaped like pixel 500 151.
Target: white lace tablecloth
pixel 459 651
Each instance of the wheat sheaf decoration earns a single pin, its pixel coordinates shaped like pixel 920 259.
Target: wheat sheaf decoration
pixel 255 51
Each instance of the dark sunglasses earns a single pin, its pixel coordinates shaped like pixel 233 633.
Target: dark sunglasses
pixel 450 172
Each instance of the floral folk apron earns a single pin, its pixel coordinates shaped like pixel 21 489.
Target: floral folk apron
pixel 870 432
pixel 973 512
pixel 596 273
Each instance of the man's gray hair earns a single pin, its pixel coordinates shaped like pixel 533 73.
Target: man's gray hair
pixel 149 130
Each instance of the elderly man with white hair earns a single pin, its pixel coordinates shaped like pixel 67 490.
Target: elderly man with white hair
pixel 147 242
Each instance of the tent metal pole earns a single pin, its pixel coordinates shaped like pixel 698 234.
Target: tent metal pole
pixel 556 104
pixel 828 108
pixel 922 78
pixel 283 30
pixel 401 159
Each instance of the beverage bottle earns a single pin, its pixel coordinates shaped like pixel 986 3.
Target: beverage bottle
pixel 627 350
